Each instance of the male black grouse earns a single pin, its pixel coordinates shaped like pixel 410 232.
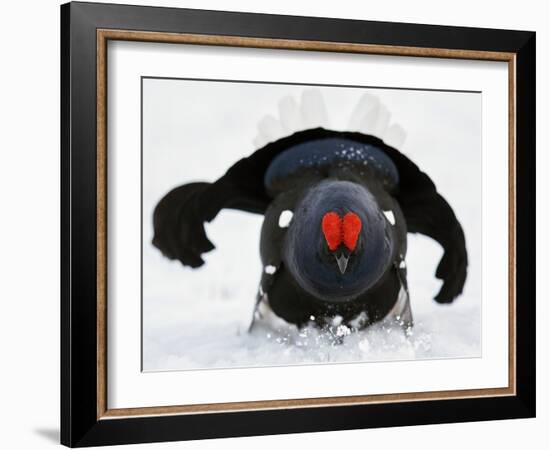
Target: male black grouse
pixel 337 207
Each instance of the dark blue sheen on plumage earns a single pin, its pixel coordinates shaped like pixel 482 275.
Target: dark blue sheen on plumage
pixel 330 152
pixel 306 254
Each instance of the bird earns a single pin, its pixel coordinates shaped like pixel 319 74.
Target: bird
pixel 337 207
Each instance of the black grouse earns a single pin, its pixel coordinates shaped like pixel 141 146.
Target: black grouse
pixel 338 207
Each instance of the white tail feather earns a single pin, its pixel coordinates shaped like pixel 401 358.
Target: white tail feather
pixel 395 136
pixel 367 122
pixel 259 141
pixel 271 127
pixel 369 116
pixel 314 112
pixel 289 115
pixel 365 112
pixel 382 122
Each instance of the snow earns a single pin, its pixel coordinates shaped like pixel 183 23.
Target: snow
pixel 270 270
pixel 208 329
pixel 200 318
pixel 197 338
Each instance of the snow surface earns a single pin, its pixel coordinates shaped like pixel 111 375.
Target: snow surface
pixel 199 318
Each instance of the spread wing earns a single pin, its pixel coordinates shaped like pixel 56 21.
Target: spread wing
pixel 180 216
pixel 428 213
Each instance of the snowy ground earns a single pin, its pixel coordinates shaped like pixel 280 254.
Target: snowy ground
pixel 199 318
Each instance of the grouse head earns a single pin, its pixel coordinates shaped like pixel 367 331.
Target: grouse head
pixel 339 244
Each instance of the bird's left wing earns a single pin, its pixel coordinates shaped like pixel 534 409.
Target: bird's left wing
pixel 428 213
pixel 180 215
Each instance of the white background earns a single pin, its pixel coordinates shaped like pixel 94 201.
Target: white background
pixel 195 318
pixel 29 229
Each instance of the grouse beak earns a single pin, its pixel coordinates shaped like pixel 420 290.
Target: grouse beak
pixel 342 261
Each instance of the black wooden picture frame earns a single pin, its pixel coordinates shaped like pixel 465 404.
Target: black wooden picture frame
pixel 84 421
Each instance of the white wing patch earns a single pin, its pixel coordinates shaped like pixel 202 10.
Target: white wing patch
pixel 389 215
pixel 285 218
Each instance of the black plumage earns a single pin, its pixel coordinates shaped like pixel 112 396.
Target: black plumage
pixel 308 175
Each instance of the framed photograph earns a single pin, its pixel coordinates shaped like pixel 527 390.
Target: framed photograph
pixel 277 224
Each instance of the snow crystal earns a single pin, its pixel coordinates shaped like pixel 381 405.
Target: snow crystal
pixel 187 334
pixel 285 218
pixel 343 330
pixel 337 320
pixel 359 321
pixel 270 270
pixel 402 264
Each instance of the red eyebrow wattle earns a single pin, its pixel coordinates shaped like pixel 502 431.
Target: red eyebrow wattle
pixel 352 228
pixel 339 231
pixel 332 229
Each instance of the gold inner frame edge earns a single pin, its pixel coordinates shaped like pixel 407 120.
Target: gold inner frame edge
pixel 103 36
